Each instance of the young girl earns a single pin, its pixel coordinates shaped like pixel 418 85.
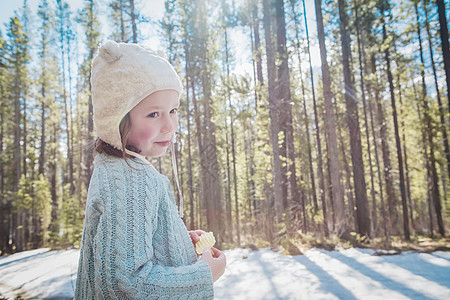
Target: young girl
pixel 134 245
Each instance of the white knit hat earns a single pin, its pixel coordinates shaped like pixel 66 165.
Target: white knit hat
pixel 122 75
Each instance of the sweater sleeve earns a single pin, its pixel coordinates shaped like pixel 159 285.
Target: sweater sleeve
pixel 124 250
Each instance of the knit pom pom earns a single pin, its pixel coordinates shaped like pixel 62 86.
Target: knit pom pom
pixel 110 51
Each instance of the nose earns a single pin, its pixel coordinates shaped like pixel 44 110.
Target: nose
pixel 170 124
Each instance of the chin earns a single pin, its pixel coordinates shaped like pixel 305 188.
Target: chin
pixel 157 154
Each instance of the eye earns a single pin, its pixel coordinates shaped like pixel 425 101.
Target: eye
pixel 174 111
pixel 152 115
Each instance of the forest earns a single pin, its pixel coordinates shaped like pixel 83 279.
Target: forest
pixel 351 149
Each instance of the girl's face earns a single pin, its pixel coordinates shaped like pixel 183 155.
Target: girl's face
pixel 153 122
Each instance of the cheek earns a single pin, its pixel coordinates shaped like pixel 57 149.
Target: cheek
pixel 147 133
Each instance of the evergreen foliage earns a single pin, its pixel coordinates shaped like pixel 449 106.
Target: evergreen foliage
pixel 286 131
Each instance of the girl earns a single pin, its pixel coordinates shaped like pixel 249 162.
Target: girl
pixel 134 244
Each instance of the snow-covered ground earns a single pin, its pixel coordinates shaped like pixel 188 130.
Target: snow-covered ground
pixel 264 274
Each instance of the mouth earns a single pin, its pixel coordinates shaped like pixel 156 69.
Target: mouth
pixel 163 144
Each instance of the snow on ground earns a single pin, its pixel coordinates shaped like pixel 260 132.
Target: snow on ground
pixel 264 274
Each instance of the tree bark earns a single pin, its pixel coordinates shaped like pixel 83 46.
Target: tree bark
pixel 383 135
pixel 92 44
pixel 438 94
pixel 233 147
pixel 257 55
pixel 283 92
pixel 337 189
pixel 306 130
pixel 188 122
pixel 273 112
pixel 213 191
pixel 427 163
pixel 316 121
pixel 405 155
pixel 429 136
pixel 361 54
pixel 133 21
pixel 444 44
pixel 353 126
pixel 397 135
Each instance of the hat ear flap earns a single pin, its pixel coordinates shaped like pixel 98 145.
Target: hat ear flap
pixel 110 51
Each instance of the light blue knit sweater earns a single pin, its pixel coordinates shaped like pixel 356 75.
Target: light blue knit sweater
pixel 134 245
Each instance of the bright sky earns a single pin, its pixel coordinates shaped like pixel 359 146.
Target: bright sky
pixel 8 7
pixel 155 10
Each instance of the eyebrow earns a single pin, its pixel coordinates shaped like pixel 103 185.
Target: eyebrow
pixel 160 107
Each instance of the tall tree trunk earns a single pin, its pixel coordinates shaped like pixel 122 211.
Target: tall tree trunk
pixel 251 181
pixel 122 22
pixel 337 189
pixel 427 162
pixel 19 237
pixel 200 142
pixel 361 54
pixel 188 122
pixel 259 82
pixel 429 136
pixel 405 155
pixel 233 147
pixel 18 229
pixel 43 123
pixel 283 93
pixel 17 119
pixel 306 124
pixel 382 127
pixel 228 201
pixel 213 191
pixel 257 55
pixel 351 216
pixel 133 21
pixel 377 160
pixel 353 126
pixel 273 112
pixel 444 44
pixel 438 94
pixel 4 232
pixel 63 71
pixel 397 135
pixel 316 120
pixel 2 165
pixel 248 170
pixel 54 227
pixel 91 36
pixel 24 136
pixel 71 142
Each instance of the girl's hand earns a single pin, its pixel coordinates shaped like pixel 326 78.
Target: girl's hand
pixel 216 263
pixel 195 235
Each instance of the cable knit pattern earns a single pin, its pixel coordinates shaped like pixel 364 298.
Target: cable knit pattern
pixel 134 245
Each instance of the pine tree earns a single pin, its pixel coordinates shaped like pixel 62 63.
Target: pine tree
pixel 384 8
pixel 4 86
pixel 438 94
pixel 63 28
pixel 18 58
pixel 444 44
pixel 88 19
pixel 353 126
pixel 273 109
pixel 283 92
pixel 429 136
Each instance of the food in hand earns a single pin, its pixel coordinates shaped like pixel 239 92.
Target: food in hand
pixel 206 240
